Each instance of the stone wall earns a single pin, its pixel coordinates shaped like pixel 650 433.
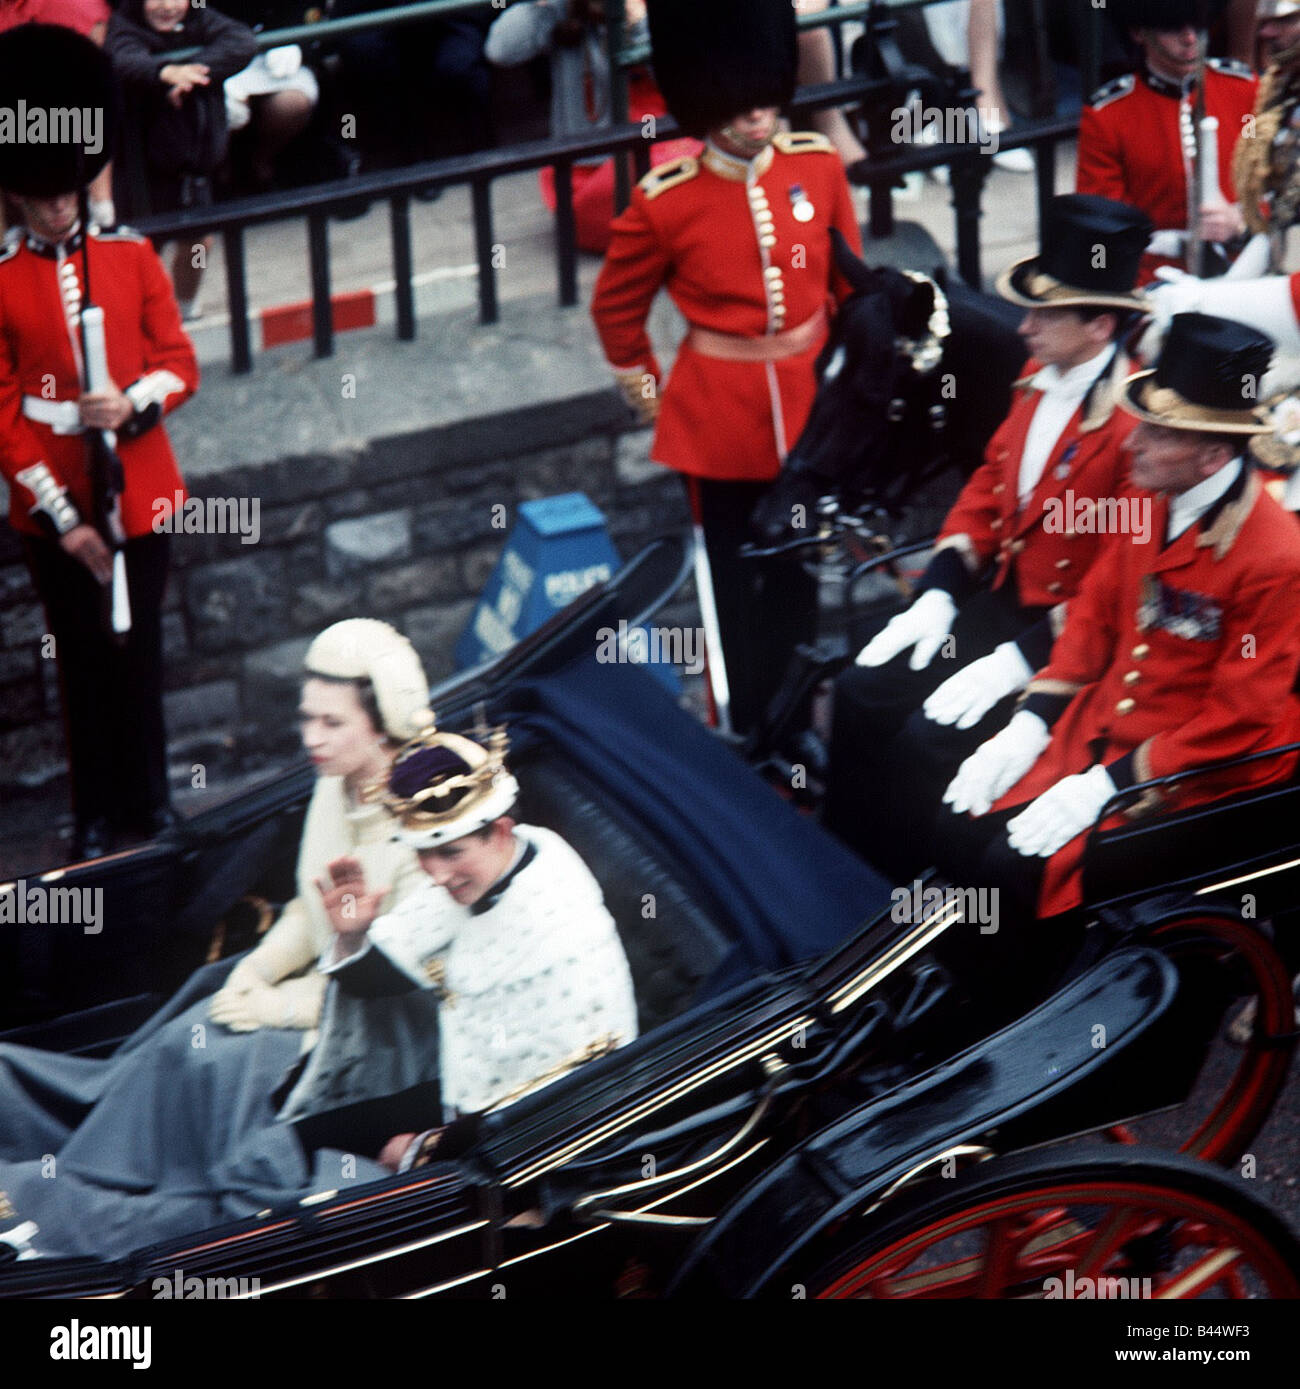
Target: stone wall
pixel 401 528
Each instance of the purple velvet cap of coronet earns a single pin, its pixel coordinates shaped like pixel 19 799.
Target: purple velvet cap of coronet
pixel 425 767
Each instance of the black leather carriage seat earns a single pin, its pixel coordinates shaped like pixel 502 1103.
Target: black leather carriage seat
pixel 670 953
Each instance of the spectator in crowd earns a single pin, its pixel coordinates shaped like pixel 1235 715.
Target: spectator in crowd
pixel 274 96
pixel 176 132
pixel 968 33
pixel 817 65
pixel 419 90
pixel 572 32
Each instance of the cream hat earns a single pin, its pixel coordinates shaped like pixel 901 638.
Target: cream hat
pixel 362 648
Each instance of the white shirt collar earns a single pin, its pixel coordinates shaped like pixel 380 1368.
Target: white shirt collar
pixel 1188 507
pixel 1074 382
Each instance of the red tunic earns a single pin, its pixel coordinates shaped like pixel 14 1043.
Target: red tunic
pixel 1132 146
pixel 38 358
pixel 698 228
pixel 1050 542
pixel 1180 656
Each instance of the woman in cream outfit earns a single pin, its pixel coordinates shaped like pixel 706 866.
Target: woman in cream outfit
pixel 177 1130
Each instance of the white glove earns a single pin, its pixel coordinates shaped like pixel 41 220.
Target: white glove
pixel 102 212
pixel 923 626
pixel 1062 811
pixel 1253 261
pixel 1264 304
pixel 284 61
pixel 995 767
pixel 963 699
pixel 1168 243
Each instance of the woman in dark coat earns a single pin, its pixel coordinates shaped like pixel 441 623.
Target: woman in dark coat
pixel 175 135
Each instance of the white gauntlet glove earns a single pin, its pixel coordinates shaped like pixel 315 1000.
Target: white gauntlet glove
pixel 923 626
pixel 995 767
pixel 284 61
pixel 963 699
pixel 1062 811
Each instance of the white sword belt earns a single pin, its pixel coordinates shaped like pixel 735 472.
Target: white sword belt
pixel 62 416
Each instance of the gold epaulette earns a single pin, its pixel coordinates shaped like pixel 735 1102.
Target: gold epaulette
pixel 668 176
pixel 802 142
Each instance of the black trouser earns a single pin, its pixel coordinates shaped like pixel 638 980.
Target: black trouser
pixel 111 689
pixel 765 607
pixel 889 764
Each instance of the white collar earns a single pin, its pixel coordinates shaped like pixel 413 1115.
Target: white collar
pixel 1188 507
pixel 1074 382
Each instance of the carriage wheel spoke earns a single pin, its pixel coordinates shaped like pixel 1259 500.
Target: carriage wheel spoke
pixel 1205 1273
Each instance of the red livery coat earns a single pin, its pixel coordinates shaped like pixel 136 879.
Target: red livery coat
pixel 1178 656
pixel 1050 542
pixel 142 326
pixel 697 228
pixel 1131 144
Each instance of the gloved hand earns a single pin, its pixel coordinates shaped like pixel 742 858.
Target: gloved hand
pixel 102 212
pixel 284 61
pixel 923 626
pixel 247 1002
pixel 1169 243
pixel 963 699
pixel 995 767
pixel 1264 304
pixel 1062 811
pixel 247 1008
pixel 641 392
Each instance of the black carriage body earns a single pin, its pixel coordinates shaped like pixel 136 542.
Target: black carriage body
pixel 792 1070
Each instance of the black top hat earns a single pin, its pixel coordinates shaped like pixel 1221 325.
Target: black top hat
pixel 1165 14
pixel 58 110
pixel 715 58
pixel 1092 248
pixel 1207 378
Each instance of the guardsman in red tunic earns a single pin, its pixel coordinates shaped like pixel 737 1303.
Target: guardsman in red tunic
pixel 1017 542
pixel 1181 649
pixel 1137 136
pixel 740 238
pixel 111 687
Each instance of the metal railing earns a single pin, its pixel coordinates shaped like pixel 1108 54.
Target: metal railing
pixel 317 203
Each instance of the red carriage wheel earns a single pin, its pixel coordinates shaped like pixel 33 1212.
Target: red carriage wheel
pixel 1083 1224
pixel 1224 961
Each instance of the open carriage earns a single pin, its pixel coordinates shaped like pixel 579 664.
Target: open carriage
pixel 814 1049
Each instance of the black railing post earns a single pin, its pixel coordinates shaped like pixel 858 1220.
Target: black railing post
pixel 481 191
pixel 615 32
pixel 322 311
pixel 566 234
pixel 241 351
pixel 968 173
pixel 399 210
pixel 881 192
pixel 1045 176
